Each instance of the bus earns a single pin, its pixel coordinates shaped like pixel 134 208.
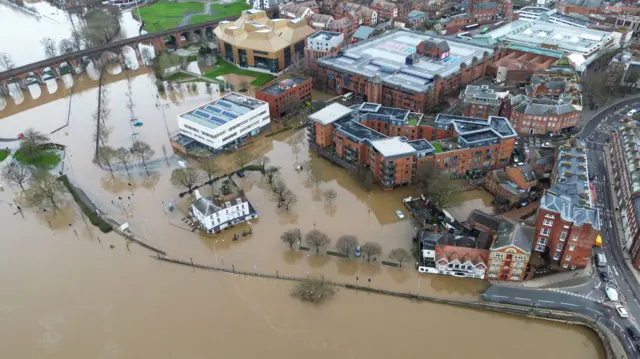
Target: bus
pixel 484 30
pixel 462 34
pixel 472 26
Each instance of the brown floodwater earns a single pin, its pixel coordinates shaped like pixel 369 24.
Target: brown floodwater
pixel 65 288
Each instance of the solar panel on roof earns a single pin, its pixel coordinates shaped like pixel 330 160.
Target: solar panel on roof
pixel 227 113
pixel 201 114
pixel 218 120
pixel 213 109
pixel 223 104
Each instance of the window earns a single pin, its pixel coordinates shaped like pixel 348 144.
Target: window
pixel 540 248
pixel 574 238
pixel 547 222
pixel 556 256
pixel 572 247
pixel 567 258
pixel 559 247
pixel 542 241
pixel 515 277
pixel 565 265
pixel 550 216
pixel 545 231
pixel 563 236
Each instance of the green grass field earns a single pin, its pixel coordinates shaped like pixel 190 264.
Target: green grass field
pixel 165 15
pixel 437 146
pixel 224 68
pixel 4 154
pixel 47 159
pixel 221 11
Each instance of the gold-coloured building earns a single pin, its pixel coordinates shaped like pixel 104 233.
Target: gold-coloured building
pixel 255 41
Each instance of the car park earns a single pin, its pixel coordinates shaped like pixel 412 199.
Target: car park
pixel 622 312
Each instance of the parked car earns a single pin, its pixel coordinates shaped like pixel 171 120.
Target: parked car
pixel 357 253
pixel 604 276
pixel 631 112
pixel 622 312
pixel 240 174
pixel 637 347
pixel 612 294
pixel 633 333
pixel 400 214
pixel 546 145
pixel 601 260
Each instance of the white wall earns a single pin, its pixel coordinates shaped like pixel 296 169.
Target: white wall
pixel 224 217
pixel 320 44
pixel 222 135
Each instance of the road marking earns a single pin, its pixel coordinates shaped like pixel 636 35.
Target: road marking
pixel 545 301
pixel 629 339
pixel 522 298
pixel 588 295
pixel 593 310
pixel 573 305
pixel 500 296
pixel 615 270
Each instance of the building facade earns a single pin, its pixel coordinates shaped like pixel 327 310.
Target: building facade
pixel 322 44
pixel 510 252
pixel 394 143
pixel 567 221
pixel 626 171
pixel 543 116
pixel 214 214
pixel 512 183
pixel 286 94
pixel 480 101
pixel 454 255
pixel 257 42
pixel 222 123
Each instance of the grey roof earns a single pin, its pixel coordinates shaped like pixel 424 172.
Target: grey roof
pixel 629 135
pixel 493 127
pixel 480 94
pixel 586 3
pixel 485 219
pixel 206 205
pixel 570 195
pixel 542 106
pixel 385 56
pixel 363 32
pixel 511 233
pixel 485 6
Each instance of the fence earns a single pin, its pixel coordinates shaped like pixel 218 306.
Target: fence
pixel 530 312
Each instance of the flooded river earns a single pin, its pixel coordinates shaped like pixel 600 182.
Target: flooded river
pixel 67 294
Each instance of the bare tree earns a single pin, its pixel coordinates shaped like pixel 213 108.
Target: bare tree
pixel 400 255
pixel 45 190
pixel 143 151
pixel 262 161
pixel 317 239
pixel 107 156
pixel 66 46
pixel 147 57
pixel 279 188
pixel 6 63
pixel 346 245
pixel 102 135
pixel 271 173
pixel 329 195
pixel 296 150
pixel 370 250
pixel 124 156
pixel 16 173
pixel 291 237
pixel 102 26
pixel 35 136
pixel 77 40
pixel 288 199
pixel 313 290
pixel 437 186
pixel 242 158
pixel 210 168
pixel 244 85
pixel 186 177
pixel 49 45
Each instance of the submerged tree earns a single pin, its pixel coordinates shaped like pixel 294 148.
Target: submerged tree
pixel 291 237
pixel 49 45
pixel 102 26
pixel 346 245
pixel 6 63
pixel 242 158
pixel 210 168
pixel 370 250
pixel 317 239
pixel 124 156
pixel 329 195
pixel 186 177
pixel 16 173
pixel 400 255
pixel 143 152
pixel 107 155
pixel 45 190
pixel 437 186
pixel 313 290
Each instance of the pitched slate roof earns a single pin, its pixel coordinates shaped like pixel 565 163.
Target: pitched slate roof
pixel 511 233
pixel 206 205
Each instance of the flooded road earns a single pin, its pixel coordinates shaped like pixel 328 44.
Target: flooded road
pixel 68 294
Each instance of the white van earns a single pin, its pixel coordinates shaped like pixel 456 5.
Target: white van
pixel 601 260
pixel 612 294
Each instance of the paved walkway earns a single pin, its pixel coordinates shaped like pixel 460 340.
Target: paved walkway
pixel 186 20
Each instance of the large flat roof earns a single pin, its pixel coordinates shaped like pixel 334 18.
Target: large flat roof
pixel 223 110
pixel 330 114
pixel 283 83
pixel 385 56
pixel 391 147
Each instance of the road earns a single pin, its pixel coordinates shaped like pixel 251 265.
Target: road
pixel 589 298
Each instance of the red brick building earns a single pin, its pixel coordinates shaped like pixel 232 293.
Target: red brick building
pixel 567 222
pixel 480 101
pixel 512 183
pixel 542 116
pixel 285 94
pixel 393 143
pixel 510 252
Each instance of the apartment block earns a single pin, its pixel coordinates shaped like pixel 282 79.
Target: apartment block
pixel 285 94
pixel 480 101
pixel 543 116
pixel 567 222
pixel 510 251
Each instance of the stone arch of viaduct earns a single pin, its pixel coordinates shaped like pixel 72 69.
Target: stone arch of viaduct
pixel 73 62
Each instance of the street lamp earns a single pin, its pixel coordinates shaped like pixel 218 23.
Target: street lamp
pixel 144 227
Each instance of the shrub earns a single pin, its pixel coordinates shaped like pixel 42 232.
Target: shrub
pixel 104 226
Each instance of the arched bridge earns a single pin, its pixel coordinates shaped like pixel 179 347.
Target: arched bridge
pixel 179 36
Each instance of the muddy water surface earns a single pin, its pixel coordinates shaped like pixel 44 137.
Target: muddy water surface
pixel 121 302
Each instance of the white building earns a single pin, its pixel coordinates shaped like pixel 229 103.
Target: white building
pixel 264 4
pixel 223 123
pixel 552 16
pixel 325 40
pixel 214 214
